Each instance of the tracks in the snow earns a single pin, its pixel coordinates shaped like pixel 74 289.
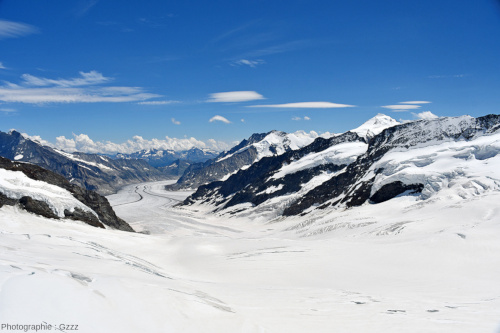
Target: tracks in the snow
pixel 146 189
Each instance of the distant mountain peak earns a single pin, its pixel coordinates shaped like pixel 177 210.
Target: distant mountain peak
pixel 375 125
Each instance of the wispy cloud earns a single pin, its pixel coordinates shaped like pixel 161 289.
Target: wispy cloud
pixel 8 110
pixel 401 107
pixel 425 115
pixel 85 7
pixel 416 102
pixel 454 76
pixel 219 118
pixel 90 78
pixel 305 105
pixel 2 66
pixel 235 31
pixel 175 122
pixel 246 62
pixel 275 49
pixel 235 96
pixel 9 29
pixel 158 102
pixel 83 89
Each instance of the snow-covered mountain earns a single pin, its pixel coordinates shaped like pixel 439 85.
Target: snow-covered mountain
pixel 91 171
pixel 374 126
pixel 45 193
pixel 418 158
pixel 241 156
pixel 162 158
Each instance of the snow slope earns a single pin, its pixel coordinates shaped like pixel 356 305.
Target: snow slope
pixel 399 266
pixel 277 143
pixel 15 185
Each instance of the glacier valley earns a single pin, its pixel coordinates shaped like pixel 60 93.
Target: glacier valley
pixel 401 265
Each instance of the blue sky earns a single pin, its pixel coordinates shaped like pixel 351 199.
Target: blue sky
pixel 99 71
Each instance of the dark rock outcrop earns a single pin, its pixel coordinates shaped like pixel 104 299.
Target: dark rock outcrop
pixel 392 190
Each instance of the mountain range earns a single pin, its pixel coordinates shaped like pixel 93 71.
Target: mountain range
pixel 100 173
pixel 376 162
pixel 279 174
pixel 241 156
pixel 166 157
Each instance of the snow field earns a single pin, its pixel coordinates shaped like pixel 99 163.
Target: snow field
pixel 15 185
pixel 403 265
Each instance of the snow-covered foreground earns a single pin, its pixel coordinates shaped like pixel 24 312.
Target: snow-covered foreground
pixel 399 266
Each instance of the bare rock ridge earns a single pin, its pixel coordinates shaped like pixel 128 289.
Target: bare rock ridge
pixel 94 201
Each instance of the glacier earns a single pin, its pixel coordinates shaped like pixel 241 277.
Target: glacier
pixel 419 262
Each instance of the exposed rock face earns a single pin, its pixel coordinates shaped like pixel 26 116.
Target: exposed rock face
pixel 93 172
pixel 331 182
pixel 176 169
pixel 201 173
pixel 93 200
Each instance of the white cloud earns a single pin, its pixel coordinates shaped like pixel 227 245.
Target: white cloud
pixel 9 29
pixel 38 139
pixel 83 143
pixel 235 96
pixel 305 105
pixel 400 107
pixel 176 122
pixel 84 89
pixel 250 63
pixel 158 102
pixel 425 115
pixel 416 102
pixel 300 118
pixel 242 120
pixel 219 118
pixel 2 66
